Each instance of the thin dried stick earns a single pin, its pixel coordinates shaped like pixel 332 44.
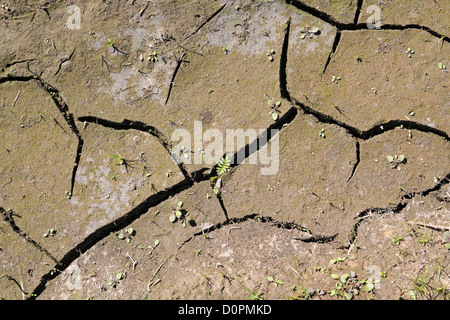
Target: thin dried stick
pixel 431 226
pixel 149 284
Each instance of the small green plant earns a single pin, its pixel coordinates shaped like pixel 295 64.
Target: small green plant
pixel 370 285
pixel 275 281
pixel 302 292
pixel 176 213
pixel 396 240
pixel 68 194
pixel 346 285
pixel 120 158
pixel 322 133
pixel 441 40
pixel 254 296
pixel 223 166
pixel 410 52
pixel 442 67
pixel 126 235
pixel 271 55
pixel 122 161
pixel 357 57
pixel 152 248
pixel 179 214
pixel 335 79
pixel 308 32
pixel 153 57
pixel 395 161
pixel 113 281
pixel 92 274
pixel 425 239
pixel 50 232
pixel 274 109
pixel 205 236
pixel 264 32
pixel 429 285
pixel 225 50
pixel 338 259
pixel 110 43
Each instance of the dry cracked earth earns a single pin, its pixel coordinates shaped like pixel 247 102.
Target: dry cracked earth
pixel 91 92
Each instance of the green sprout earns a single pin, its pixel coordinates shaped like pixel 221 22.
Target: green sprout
pixel 322 133
pixel 396 161
pixel 254 296
pixel 223 166
pixel 274 109
pixel 110 43
pixel 265 33
pixel 338 259
pixel 307 32
pixel 153 56
pixel 275 282
pixel 225 50
pixel 179 214
pixel 151 249
pixel 346 285
pixel 410 52
pixel 50 232
pixel 335 79
pixel 129 232
pixel 113 281
pixel 122 161
pixel 396 240
pixel 425 239
pixel 271 55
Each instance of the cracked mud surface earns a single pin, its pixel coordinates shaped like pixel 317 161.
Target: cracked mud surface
pixel 74 103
